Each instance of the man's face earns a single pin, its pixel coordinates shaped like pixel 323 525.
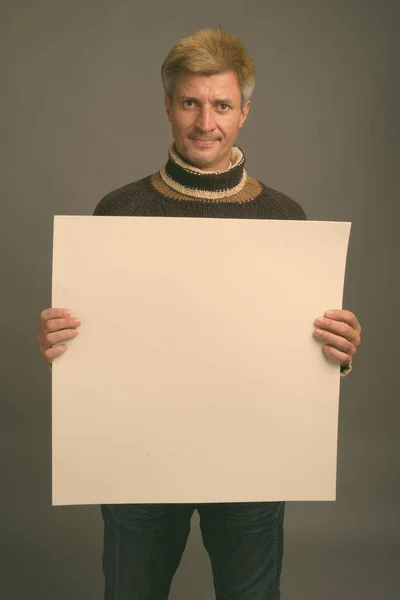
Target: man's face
pixel 206 115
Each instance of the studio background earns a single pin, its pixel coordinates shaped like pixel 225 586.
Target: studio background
pixel 81 114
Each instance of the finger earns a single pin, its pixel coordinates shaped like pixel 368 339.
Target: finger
pixel 61 336
pixel 51 353
pixel 344 316
pixel 333 354
pixel 338 327
pixel 58 324
pixel 54 313
pixel 336 341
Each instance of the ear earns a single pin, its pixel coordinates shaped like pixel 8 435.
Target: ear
pixel 244 113
pixel 168 103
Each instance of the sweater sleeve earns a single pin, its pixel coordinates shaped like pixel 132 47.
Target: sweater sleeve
pixel 292 209
pixel 104 207
pixel 285 205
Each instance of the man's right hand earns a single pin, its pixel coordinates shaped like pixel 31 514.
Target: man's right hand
pixel 56 325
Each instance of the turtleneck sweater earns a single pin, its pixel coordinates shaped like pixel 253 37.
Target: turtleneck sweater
pixel 181 190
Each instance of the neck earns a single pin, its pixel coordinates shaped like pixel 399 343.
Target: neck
pixel 208 185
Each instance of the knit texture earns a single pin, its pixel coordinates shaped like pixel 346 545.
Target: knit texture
pixel 180 190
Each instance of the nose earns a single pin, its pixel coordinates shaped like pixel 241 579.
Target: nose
pixel 205 120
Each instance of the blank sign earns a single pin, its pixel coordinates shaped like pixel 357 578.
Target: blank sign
pixel 195 376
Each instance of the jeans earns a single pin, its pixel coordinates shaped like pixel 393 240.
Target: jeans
pixel 143 546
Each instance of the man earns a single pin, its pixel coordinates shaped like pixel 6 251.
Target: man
pixel 208 80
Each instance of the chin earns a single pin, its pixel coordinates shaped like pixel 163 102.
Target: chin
pixel 200 158
pixel 202 161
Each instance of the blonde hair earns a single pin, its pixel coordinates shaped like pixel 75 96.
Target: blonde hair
pixel 209 52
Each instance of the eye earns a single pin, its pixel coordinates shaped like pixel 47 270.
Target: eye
pixel 188 103
pixel 224 107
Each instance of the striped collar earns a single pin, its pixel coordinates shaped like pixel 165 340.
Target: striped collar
pixel 207 185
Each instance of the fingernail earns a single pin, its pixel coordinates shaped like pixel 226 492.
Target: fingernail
pixel 67 313
pixel 77 322
pixel 318 332
pixel 319 321
pixel 329 313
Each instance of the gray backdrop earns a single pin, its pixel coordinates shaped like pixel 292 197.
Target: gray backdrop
pixel 82 113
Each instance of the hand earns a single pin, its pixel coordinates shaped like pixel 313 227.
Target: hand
pixel 55 325
pixel 340 333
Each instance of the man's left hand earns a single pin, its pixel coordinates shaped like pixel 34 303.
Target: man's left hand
pixel 340 333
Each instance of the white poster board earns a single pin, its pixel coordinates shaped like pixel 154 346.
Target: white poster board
pixel 195 376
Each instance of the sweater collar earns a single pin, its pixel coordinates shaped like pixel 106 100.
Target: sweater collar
pixel 213 185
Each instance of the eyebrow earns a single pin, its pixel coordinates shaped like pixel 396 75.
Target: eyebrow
pixel 216 101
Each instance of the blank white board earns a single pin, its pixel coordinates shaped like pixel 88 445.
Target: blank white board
pixel 195 376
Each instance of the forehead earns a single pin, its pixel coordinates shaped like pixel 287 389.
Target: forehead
pixel 208 86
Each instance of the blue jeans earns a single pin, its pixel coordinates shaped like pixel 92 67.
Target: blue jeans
pixel 144 543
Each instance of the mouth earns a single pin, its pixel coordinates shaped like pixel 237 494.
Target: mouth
pixel 203 142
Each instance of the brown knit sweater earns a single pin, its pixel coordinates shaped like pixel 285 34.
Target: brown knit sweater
pixel 180 190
